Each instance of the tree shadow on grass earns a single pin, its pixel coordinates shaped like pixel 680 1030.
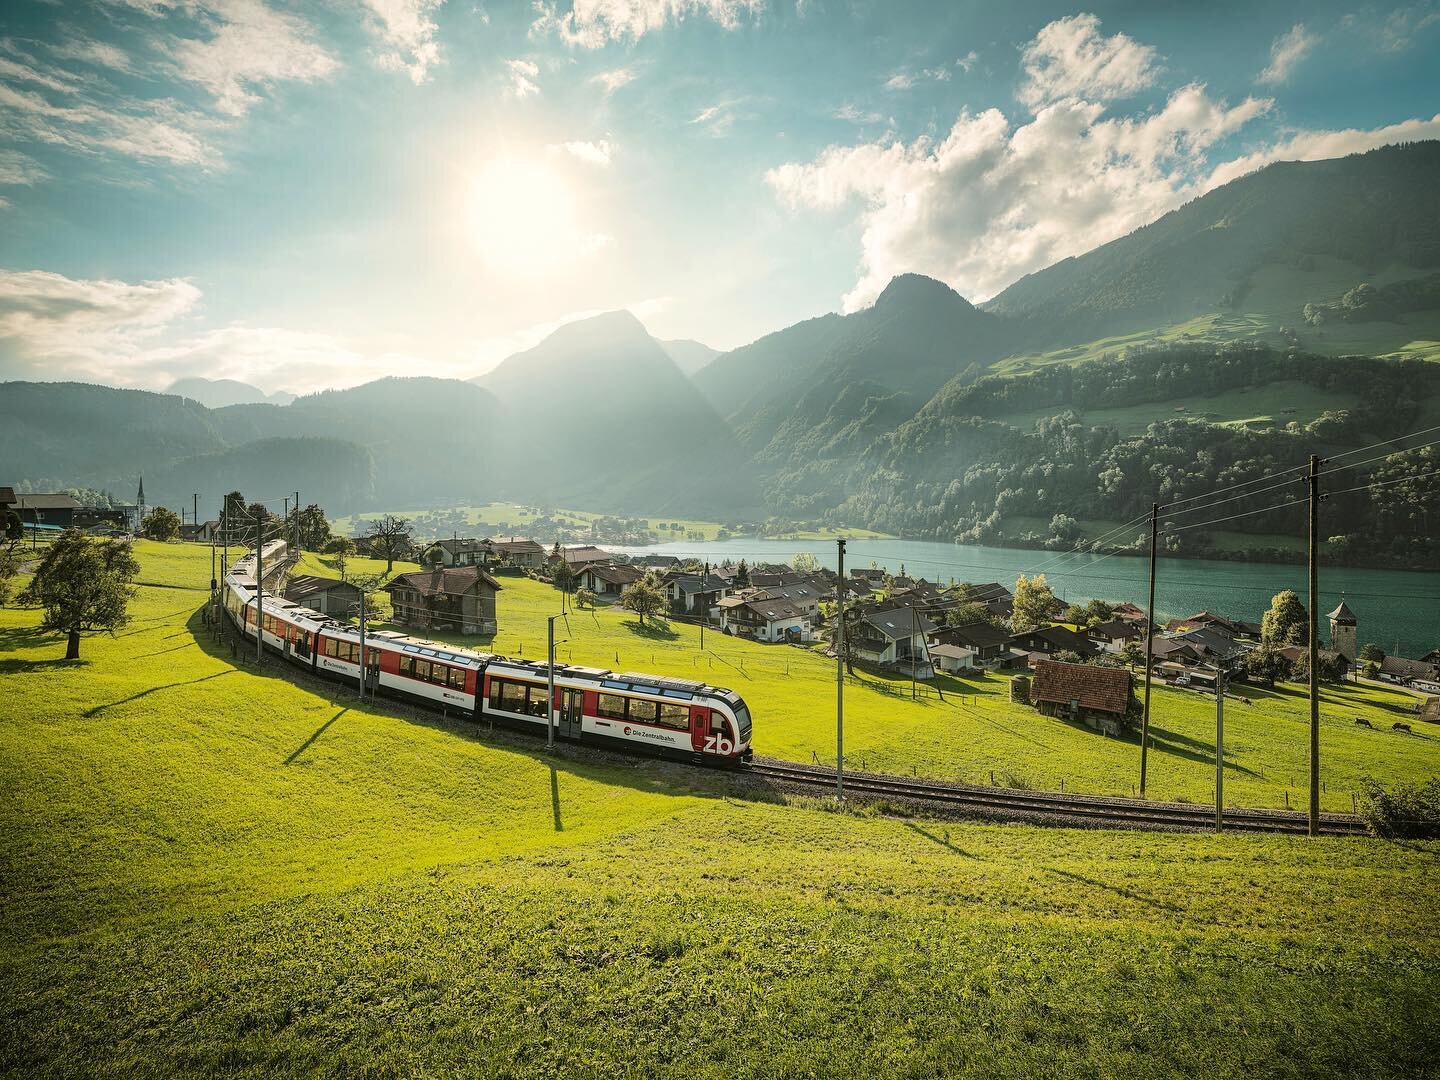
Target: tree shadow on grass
pixel 655 630
pixel 1118 890
pixel 1191 749
pixel 318 732
pixel 98 709
pixel 942 841
pixel 15 638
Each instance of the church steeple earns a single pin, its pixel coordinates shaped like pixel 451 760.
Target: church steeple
pixel 140 506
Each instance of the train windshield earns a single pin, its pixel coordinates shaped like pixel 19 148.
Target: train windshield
pixel 742 717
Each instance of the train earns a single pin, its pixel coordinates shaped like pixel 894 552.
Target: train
pixel 631 711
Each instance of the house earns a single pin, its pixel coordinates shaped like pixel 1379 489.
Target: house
pixel 781 575
pixel 656 562
pixel 1211 643
pixel 763 618
pixel 952 658
pixel 985 643
pixel 806 595
pixel 461 597
pixel 1129 612
pixel 1049 640
pixel 457 551
pixel 203 533
pixel 1431 657
pixel 518 551
pixel 695 594
pixel 873 576
pixel 1402 670
pixel 577 558
pixel 1097 697
pixel 56 510
pixel 891 636
pixel 1111 636
pixel 328 596
pixel 1215 622
pixel 609 581
pixel 1174 651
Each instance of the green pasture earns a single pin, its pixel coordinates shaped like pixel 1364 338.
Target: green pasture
pixel 218 868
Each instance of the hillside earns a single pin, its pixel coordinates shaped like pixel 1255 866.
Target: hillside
pixel 217 393
pixel 294 882
pixel 689 356
pixel 1266 244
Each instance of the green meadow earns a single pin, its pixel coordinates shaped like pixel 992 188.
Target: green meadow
pixel 974 733
pixel 216 867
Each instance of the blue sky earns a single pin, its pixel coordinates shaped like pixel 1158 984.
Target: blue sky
pixel 310 195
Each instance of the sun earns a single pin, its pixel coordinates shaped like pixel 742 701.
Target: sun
pixel 524 218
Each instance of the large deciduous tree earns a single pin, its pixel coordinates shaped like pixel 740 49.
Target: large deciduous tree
pixel 83 584
pixel 390 538
pixel 314 528
pixel 160 524
pixel 1286 623
pixel 644 598
pixel 1035 604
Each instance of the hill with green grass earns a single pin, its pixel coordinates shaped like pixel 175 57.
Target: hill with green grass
pixel 217 867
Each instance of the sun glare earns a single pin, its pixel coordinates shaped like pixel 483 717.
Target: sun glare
pixel 524 218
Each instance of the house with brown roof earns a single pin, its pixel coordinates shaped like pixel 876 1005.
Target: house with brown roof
pixel 516 551
pixel 1111 636
pixel 56 511
pixel 456 551
pixel 329 596
pixel 1098 697
pixel 609 581
pixel 756 614
pixel 455 598
pixel 579 557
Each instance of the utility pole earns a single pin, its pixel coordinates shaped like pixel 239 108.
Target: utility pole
pixel 285 518
pixel 195 509
pixel 550 682
pixel 1312 482
pixel 362 642
pixel 297 523
pixel 705 612
pixel 913 695
pixel 1220 750
pixel 840 668
pixel 1149 644
pixel 259 591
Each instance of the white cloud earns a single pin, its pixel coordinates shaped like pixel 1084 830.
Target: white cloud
pixel 1318 145
pixel 904 80
pixel 598 152
pixel 522 78
pixel 716 119
pixel 1070 58
pixel 1395 31
pixel 1286 51
pixel 64 327
pixel 148 130
pixel 250 47
pixel 613 80
pixel 20 169
pixel 966 62
pixel 591 23
pixel 407 33
pixel 97 53
pixel 854 115
pixel 991 201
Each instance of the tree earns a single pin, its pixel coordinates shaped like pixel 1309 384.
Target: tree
pixel 971 614
pixel 742 574
pixel 235 515
pixel 805 562
pixel 1373 653
pixel 314 528
pixel 1064 530
pixel 644 598
pixel 1286 623
pixel 83 584
pixel 1330 668
pixel 1133 653
pixel 9 567
pixel 1035 604
pixel 161 524
pixel 1069 656
pixel 1264 665
pixel 339 545
pixel 585 598
pixel 390 538
pixel 564 576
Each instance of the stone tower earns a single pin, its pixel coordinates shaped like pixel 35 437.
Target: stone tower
pixel 1343 631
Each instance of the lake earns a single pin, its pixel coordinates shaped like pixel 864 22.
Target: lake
pixel 1393 607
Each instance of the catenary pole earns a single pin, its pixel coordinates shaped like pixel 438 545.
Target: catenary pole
pixel 550 681
pixel 362 642
pixel 1220 750
pixel 704 608
pixel 297 522
pixel 840 668
pixel 194 508
pixel 259 591
pixel 1312 481
pixel 1149 644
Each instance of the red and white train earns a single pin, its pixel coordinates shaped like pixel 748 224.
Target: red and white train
pixel 647 713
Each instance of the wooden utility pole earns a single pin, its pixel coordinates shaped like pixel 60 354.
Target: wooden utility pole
pixel 840 668
pixel 259 590
pixel 297 523
pixel 362 642
pixel 705 608
pixel 1149 644
pixel 1312 482
pixel 1220 750
pixel 550 682
pixel 194 508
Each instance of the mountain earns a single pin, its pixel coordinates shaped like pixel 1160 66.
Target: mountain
pixel 599 414
pixel 689 356
pixel 217 393
pixel 1265 244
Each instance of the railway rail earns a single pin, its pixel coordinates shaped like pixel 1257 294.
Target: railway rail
pixel 1050 806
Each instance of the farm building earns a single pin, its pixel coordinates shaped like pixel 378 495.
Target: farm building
pixel 460 598
pixel 609 582
pixel 986 644
pixel 457 551
pixel 695 594
pixel 1097 697
pixel 1111 636
pixel 325 595
pixel 516 551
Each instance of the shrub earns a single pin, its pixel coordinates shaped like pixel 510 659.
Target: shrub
pixel 1410 810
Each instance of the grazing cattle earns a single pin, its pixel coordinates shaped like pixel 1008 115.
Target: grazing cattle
pixel 1397 726
pixel 1363 722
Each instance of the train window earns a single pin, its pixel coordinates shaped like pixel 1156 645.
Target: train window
pixel 439 673
pixel 642 712
pixel 537 701
pixel 512 696
pixel 675 716
pixel 457 678
pixel 329 646
pixel 611 706
pixel 420 669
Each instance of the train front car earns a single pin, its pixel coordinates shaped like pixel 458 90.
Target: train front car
pixel 678 718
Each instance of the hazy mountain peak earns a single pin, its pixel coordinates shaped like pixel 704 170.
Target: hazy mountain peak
pixel 218 393
pixel 907 290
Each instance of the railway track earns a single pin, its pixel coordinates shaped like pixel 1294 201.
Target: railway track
pixel 1052 806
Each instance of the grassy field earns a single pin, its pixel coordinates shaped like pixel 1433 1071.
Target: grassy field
pixel 975 733
pixel 216 868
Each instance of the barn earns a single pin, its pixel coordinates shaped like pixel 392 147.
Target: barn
pixel 1098 697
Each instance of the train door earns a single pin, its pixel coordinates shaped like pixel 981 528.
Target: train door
pixel 571 711
pixel 698 717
